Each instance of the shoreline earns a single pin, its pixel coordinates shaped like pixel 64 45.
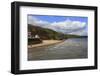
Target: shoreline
pixel 45 43
pixel 65 49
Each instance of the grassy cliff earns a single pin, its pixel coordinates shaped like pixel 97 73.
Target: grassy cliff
pixel 46 34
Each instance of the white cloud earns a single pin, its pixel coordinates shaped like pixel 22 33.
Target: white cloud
pixel 80 32
pixel 34 21
pixel 67 26
pixel 31 20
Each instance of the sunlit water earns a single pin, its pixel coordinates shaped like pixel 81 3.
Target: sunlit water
pixel 74 48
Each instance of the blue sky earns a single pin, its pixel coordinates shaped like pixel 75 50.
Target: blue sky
pixel 67 24
pixel 51 18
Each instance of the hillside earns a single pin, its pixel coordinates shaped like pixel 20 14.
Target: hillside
pixel 46 34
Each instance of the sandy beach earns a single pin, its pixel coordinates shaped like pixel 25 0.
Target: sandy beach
pixel 45 42
pixel 74 48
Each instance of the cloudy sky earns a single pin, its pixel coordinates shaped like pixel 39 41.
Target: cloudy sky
pixel 65 24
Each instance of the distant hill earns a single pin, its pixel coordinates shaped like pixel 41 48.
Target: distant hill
pixel 45 33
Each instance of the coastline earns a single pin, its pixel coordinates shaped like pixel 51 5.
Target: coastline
pixel 75 48
pixel 45 43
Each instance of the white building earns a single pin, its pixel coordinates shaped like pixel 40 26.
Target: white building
pixel 37 36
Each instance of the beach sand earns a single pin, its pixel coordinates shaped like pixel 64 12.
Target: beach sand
pixel 74 48
pixel 45 42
